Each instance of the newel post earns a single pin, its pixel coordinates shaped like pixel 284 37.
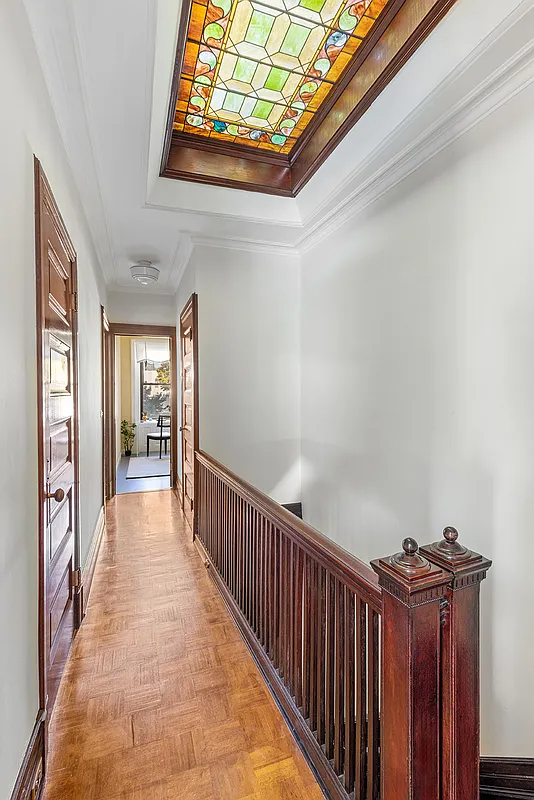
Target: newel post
pixel 413 589
pixel 460 656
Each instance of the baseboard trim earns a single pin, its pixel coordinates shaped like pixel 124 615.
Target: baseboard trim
pixel 33 764
pixel 507 778
pixel 88 570
pixel 310 748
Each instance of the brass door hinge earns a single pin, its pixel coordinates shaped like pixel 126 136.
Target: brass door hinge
pixel 74 301
pixel 77 578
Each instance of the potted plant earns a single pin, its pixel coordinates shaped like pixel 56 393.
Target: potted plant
pixel 128 436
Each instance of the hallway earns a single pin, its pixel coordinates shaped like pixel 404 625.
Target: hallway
pixel 160 698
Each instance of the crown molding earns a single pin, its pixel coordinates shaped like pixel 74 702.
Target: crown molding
pixel 248 245
pixel 375 178
pixel 57 44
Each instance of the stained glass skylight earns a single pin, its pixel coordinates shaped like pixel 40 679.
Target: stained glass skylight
pixel 256 72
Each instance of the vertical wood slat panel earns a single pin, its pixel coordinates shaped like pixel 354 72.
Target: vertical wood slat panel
pixel 373 730
pixel 313 644
pixel 321 655
pixel 306 640
pixel 360 627
pixel 348 691
pixel 339 709
pixel 330 664
pixel 283 606
pixel 298 628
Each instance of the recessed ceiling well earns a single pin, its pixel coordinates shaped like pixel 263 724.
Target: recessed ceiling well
pixel 264 90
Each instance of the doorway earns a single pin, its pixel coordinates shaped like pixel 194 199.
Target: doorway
pixel 140 414
pixel 58 437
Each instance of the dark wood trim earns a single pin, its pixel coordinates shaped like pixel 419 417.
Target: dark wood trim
pixel 44 196
pixel 202 160
pixel 295 508
pixel 88 570
pixel 313 753
pixel 33 764
pixel 506 778
pixel 191 307
pixel 138 330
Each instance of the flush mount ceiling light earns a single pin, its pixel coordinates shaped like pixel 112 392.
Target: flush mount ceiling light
pixel 143 272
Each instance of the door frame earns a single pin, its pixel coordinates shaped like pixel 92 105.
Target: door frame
pixel 44 196
pixel 191 307
pixel 108 489
pixel 110 422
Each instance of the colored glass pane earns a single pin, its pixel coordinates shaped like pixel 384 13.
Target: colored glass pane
pixel 257 71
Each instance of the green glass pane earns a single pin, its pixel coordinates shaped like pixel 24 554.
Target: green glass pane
pixel 244 70
pixel 294 39
pixel 313 5
pixel 233 102
pixel 259 28
pixel 276 79
pixel 262 109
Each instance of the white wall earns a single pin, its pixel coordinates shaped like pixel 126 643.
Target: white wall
pixel 249 376
pixel 418 386
pixel 28 127
pixel 139 308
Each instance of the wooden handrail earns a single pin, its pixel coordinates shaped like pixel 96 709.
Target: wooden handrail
pixel 355 573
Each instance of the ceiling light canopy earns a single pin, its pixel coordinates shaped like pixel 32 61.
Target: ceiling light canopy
pixel 143 272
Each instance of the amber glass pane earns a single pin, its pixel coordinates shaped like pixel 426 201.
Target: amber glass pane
pixel 256 72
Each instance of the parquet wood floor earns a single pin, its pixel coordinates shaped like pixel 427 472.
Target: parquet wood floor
pixel 160 699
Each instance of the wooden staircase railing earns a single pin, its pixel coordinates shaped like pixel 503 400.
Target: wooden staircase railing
pixel 372 667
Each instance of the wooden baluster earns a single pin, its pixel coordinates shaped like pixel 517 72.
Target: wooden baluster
pixel 291 548
pixel 276 597
pixel 260 594
pixel 272 573
pixel 373 723
pixel 306 639
pixel 239 552
pixel 329 665
pixel 321 654
pixel 313 643
pixel 339 663
pixel 297 625
pixel 227 534
pixel 360 636
pixel 255 571
pixel 232 542
pixel 348 690
pixel 282 605
pixel 460 677
pixel 410 724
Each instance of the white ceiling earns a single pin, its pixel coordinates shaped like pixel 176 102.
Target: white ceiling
pixel 108 66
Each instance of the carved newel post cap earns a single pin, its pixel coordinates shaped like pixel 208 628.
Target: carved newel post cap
pixel 410 559
pixel 449 546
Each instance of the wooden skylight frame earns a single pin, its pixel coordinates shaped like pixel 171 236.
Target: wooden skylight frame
pixel 397 33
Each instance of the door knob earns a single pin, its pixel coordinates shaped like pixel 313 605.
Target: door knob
pixel 58 495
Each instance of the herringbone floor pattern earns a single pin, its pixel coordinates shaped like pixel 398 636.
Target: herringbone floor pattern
pixel 160 699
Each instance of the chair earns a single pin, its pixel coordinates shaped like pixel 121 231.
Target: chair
pixel 164 421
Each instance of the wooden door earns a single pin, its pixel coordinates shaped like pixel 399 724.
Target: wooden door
pixel 189 415
pixel 58 437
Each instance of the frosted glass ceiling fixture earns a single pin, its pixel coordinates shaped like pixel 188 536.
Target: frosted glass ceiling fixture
pixel 143 272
